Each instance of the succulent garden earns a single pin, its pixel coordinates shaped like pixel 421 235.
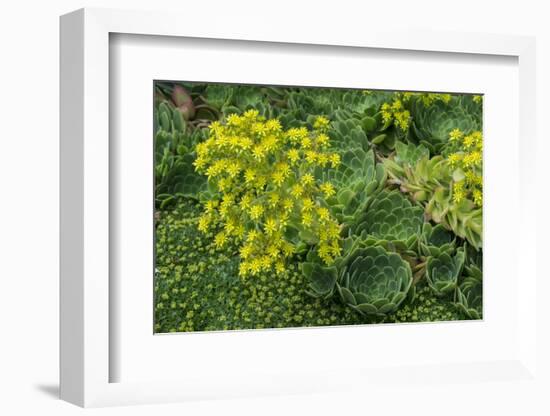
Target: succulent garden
pixel 282 207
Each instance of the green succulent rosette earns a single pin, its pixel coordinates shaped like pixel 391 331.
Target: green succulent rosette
pixel 374 281
pixel 321 279
pixel 436 240
pixel 443 271
pixel 390 220
pixel 175 141
pixel 470 293
pixel 356 180
pixel 432 123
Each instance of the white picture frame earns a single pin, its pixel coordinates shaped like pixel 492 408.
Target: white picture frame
pixel 85 353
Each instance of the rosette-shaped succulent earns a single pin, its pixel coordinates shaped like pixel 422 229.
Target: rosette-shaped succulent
pixel 374 281
pixel 432 124
pixel 436 240
pixel 390 219
pixel 174 144
pixel 470 293
pixel 429 182
pixel 443 271
pixel 356 179
pixel 348 131
pixel 408 154
pixel 322 279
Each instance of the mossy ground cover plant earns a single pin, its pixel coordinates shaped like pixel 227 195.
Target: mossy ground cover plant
pixel 281 207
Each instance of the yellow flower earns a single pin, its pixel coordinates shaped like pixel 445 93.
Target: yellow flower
pixel 211 205
pixel 323 140
pixel 321 123
pixel 306 219
pixel 402 119
pixel 273 251
pixel 253 236
pixel 270 226
pixel 288 249
pixel 293 155
pixel 224 184
pixel 220 239
pixel 322 159
pixel 458 192
pixel 273 125
pixel 246 251
pixel 255 266
pixel 323 213
pixel 273 199
pixel 283 168
pixel 454 159
pixel 243 268
pixel 246 201
pixel 469 141
pixel 478 197
pixel 204 221
pixel 455 135
pixel 472 159
pixel 306 142
pixel 239 231
pixel 278 178
pixel 251 114
pixel 258 152
pixel 245 143
pixel 307 179
pixel 279 267
pixel 327 189
pixel 335 160
pixel 307 205
pixel 311 156
pixel 288 204
pixel 233 120
pixel 297 191
pixel 256 212
pixel 335 248
pixel 233 169
pixel 397 105
pixel 324 253
pixel 249 176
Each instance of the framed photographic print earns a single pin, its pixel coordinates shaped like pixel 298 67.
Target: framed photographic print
pixel 293 214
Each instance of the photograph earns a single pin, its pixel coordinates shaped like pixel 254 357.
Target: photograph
pixel 293 206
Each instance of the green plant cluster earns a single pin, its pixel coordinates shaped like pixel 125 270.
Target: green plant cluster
pixel 281 207
pixel 197 288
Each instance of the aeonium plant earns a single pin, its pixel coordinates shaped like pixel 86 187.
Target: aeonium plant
pixel 267 199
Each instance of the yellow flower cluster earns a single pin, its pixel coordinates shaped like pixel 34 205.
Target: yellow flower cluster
pixel 467 162
pixel 396 112
pixel 428 98
pixel 265 179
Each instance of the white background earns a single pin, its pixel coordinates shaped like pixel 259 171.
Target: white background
pixel 29 182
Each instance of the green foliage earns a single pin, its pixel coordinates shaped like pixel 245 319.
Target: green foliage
pixel 270 215
pixel 374 281
pixel 443 272
pixel 430 182
pixel 436 240
pixel 470 293
pixel 356 179
pixel 174 154
pixel 432 123
pixel 390 220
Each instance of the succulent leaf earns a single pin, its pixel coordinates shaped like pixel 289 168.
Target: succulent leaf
pixel 374 281
pixel 442 272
